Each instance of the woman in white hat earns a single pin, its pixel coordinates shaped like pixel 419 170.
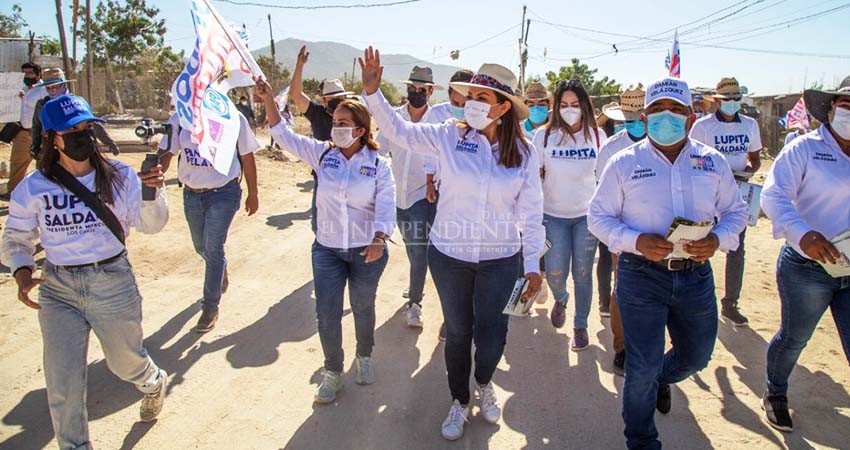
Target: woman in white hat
pixel 490 191
pixel 567 148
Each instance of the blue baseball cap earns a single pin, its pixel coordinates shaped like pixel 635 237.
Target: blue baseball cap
pixel 64 112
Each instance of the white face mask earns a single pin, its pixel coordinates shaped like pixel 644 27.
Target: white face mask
pixel 476 114
pixel 571 115
pixel 342 136
pixel 840 123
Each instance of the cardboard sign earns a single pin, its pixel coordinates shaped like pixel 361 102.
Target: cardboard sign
pixel 10 101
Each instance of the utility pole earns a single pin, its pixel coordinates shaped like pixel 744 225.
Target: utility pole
pixel 353 68
pixel 65 60
pixel 523 51
pixel 271 40
pixel 89 58
pixel 76 6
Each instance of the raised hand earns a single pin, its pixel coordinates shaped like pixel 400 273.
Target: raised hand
pixel 303 56
pixel 370 67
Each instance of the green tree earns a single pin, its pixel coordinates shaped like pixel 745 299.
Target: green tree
pixel 275 73
pixel 11 24
pixel 50 45
pixel 577 70
pixel 311 86
pixel 391 93
pixel 121 33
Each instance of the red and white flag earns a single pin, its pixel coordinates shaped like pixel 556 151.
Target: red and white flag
pixel 674 58
pixel 797 117
pixel 220 61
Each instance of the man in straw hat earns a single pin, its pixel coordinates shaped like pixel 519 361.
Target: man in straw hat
pixel 627 111
pixel 644 190
pixel 537 100
pixel 806 196
pixel 54 83
pixel 413 174
pixel 738 138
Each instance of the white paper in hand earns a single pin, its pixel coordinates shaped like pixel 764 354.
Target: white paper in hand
pixel 684 234
pixel 841 268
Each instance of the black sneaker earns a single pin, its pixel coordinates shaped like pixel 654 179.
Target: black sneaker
pixel 442 336
pixel 776 413
pixel 733 315
pixel 604 310
pixel 207 321
pixel 663 402
pixel 620 363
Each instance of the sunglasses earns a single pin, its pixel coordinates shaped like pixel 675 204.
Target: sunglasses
pixel 568 84
pixel 421 90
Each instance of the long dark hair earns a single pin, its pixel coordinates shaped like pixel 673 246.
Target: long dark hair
pixel 105 174
pixel 587 117
pixel 509 135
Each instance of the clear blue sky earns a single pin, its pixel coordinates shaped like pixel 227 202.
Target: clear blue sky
pixel 430 29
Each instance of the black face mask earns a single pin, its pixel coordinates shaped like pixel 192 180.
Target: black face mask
pixel 332 104
pixel 79 145
pixel 30 82
pixel 417 98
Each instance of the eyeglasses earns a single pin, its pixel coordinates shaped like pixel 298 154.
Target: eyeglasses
pixel 568 84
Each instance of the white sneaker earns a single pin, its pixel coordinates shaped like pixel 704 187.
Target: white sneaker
pixel 490 407
pixel 453 425
pixel 365 370
pixel 152 403
pixel 414 316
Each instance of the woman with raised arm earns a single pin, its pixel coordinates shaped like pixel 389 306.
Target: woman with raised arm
pixel 356 214
pixel 490 192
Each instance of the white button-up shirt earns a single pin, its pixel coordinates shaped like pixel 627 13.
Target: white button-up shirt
pixel 483 205
pixel 355 198
pixel 642 192
pixel 411 169
pixel 569 164
pixel 733 139
pixel 611 147
pixel 808 188
pixel 31 97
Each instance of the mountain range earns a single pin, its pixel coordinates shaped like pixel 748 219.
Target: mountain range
pixel 330 60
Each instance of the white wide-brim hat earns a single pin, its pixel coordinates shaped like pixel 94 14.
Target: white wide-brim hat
pixel 498 79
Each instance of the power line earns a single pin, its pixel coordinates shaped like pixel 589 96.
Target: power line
pixel 302 7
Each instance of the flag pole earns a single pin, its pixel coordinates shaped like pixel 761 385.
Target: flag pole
pixel 255 69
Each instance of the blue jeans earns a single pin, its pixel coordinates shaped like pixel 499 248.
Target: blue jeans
pixel 651 298
pixel 332 269
pixel 572 245
pixel 734 273
pixel 209 215
pixel 806 291
pixel 415 226
pixel 74 302
pixel 473 296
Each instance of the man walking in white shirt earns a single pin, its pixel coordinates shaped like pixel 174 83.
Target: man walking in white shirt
pixel 642 191
pixel 738 138
pixel 19 161
pixel 414 174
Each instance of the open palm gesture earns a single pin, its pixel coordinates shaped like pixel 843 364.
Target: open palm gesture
pixel 370 67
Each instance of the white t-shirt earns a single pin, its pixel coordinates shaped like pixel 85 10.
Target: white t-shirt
pixel 31 97
pixel 194 170
pixel 71 233
pixel 570 171
pixel 732 139
pixel 619 141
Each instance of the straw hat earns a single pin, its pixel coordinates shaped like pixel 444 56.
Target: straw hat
pixel 728 89
pixel 631 104
pixel 497 79
pixel 53 76
pixel 602 118
pixel 422 76
pixel 536 91
pixel 334 88
pixel 819 103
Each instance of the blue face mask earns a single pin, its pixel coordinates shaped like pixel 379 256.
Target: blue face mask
pixel 666 128
pixel 539 113
pixel 457 112
pixel 730 108
pixel 636 128
pixel 618 127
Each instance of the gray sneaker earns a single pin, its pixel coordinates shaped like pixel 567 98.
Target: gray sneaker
pixel 414 316
pixel 331 384
pixel 365 370
pixel 152 403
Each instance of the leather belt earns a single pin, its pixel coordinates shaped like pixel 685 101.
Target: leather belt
pixel 94 264
pixel 674 265
pixel 202 190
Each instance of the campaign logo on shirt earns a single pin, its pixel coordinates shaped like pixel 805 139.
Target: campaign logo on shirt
pixel 466 146
pixel 732 143
pixel 582 153
pixel 369 171
pixel 702 163
pixel 821 156
pixel 642 172
pixel 68 214
pixel 193 158
pixel 330 162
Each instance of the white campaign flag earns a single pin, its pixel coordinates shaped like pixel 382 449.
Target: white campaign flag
pixel 220 61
